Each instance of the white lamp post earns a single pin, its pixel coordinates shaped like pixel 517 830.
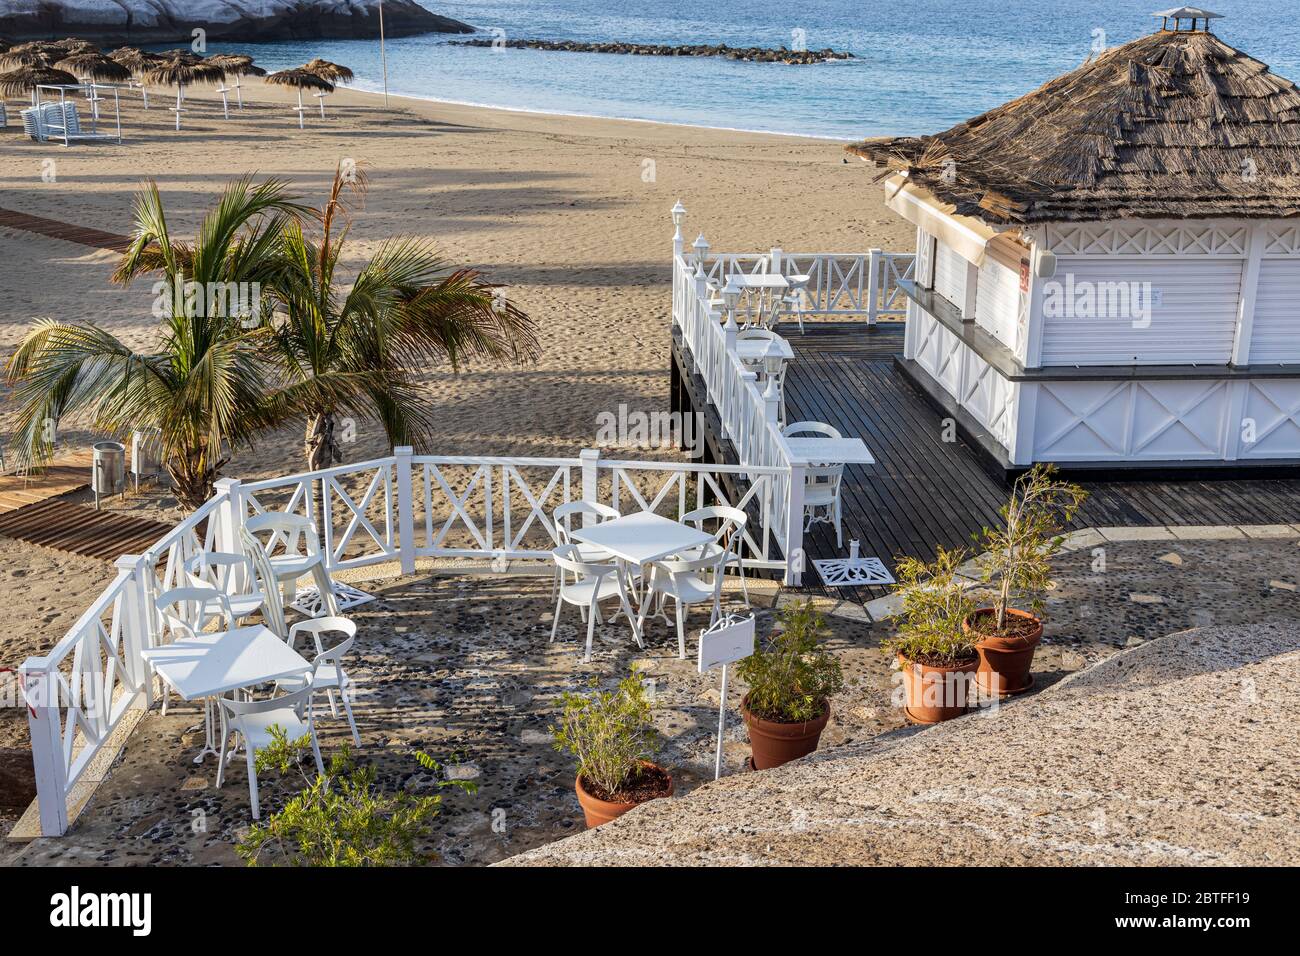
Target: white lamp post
pixel 679 217
pixel 701 247
pixel 731 298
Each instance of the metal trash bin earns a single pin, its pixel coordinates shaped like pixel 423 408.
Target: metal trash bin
pixel 145 455
pixel 108 474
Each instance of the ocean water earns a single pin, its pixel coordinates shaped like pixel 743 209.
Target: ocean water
pixel 922 65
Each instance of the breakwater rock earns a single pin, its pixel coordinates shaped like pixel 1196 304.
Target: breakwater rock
pixel 752 54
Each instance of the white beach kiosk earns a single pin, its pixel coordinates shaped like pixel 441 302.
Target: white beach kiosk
pixel 1108 268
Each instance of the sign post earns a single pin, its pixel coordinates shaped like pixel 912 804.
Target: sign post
pixel 728 641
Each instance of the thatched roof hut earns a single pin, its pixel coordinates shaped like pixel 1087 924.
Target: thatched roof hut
pixel 1173 125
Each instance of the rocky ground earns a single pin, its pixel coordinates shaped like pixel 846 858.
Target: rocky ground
pixel 460 666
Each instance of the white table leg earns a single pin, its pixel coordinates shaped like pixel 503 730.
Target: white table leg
pixel 209 743
pixel 625 606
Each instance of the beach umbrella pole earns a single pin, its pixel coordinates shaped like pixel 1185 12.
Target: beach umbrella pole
pixel 383 53
pixel 300 108
pixel 178 105
pixel 239 93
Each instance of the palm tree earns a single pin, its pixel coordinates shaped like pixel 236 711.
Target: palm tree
pixel 203 387
pixel 358 351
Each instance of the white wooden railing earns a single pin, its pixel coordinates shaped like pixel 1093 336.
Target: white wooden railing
pixel 393 509
pixel 840 284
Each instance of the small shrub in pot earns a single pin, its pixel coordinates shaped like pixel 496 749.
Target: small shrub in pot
pixel 612 734
pixel 936 654
pixel 791 681
pixel 1018 562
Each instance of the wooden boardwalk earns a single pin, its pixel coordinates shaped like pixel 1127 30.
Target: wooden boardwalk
pixel 79 529
pixel 924 491
pixel 70 473
pixel 54 229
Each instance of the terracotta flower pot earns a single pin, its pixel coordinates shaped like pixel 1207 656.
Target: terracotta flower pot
pixel 934 694
pixel 598 811
pixel 774 743
pixel 1005 661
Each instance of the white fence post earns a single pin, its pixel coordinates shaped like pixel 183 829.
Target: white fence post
pixel 794 557
pixel 590 458
pixel 873 286
pixel 405 508
pixel 229 516
pixel 679 217
pixel 135 611
pixel 774 261
pixel 44 727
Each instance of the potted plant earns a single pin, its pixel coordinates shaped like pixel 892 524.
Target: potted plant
pixel 935 653
pixel 1018 558
pixel 612 735
pixel 790 685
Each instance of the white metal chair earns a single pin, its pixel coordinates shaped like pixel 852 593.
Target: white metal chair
pixel 184 613
pixel 794 299
pixel 327 672
pixel 592 583
pixel 562 517
pixel 231 574
pixel 821 481
pixel 292 547
pixel 683 580
pixel 253 720
pixel 730 535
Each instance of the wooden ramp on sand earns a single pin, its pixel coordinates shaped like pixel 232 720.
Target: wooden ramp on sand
pixel 54 229
pixel 79 529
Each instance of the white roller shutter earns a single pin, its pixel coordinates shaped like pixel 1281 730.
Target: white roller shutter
pixel 997 301
pixel 1275 336
pixel 1193 319
pixel 949 274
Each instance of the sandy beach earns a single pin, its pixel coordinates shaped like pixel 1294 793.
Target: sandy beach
pixel 570 214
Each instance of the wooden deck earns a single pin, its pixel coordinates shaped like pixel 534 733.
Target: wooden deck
pixel 924 490
pixel 70 473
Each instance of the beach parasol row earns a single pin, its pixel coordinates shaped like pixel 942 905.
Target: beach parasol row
pixel 71 61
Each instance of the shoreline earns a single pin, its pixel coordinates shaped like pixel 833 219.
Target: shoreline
pixel 598 117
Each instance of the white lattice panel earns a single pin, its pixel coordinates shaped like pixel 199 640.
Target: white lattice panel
pixel 1130 421
pixel 1282 239
pixel 1148 239
pixel 1271 417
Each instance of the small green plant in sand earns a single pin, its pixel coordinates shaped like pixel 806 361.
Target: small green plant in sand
pixel 791 678
pixel 935 602
pixel 610 732
pixel 341 817
pixel 1019 552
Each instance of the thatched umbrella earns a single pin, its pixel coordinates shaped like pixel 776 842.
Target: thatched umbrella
pixel 236 65
pixel 333 72
pixel 29 54
pixel 25 79
pixel 139 63
pixel 300 80
pixel 90 64
pixel 178 73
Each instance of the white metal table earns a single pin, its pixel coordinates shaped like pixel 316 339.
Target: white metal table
pixel 209 665
pixel 639 539
pixel 769 284
pixel 830 451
